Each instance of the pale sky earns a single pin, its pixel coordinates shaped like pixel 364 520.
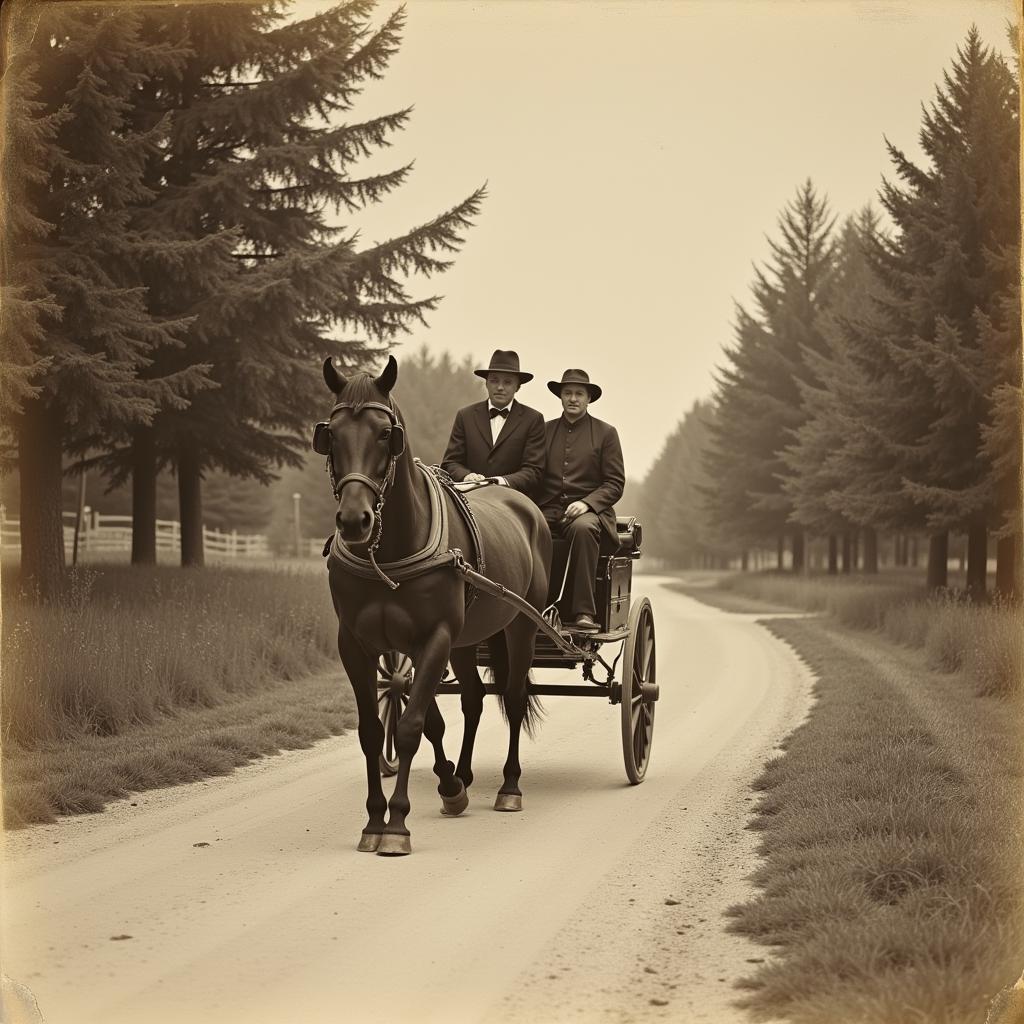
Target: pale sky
pixel 636 155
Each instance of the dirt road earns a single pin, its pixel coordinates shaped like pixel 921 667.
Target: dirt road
pixel 243 899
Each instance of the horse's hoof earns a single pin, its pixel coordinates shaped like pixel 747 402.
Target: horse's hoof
pixel 453 806
pixel 508 802
pixel 392 845
pixel 368 842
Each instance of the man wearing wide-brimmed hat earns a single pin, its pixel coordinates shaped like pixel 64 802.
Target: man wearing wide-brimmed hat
pixel 583 478
pixel 499 438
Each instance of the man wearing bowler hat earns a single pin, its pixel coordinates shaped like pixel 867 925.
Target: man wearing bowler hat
pixel 583 478
pixel 499 438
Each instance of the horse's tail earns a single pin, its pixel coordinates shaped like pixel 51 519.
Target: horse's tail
pixel 498 672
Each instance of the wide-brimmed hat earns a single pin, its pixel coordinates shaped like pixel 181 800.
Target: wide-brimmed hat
pixel 574 377
pixel 505 362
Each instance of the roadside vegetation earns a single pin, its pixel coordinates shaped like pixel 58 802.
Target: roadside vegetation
pixel 984 642
pixel 150 677
pixel 892 843
pixel 891 825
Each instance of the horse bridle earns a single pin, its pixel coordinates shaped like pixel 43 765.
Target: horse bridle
pixel 396 447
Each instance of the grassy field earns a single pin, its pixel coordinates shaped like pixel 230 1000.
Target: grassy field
pixel 149 677
pixel 892 825
pixel 892 842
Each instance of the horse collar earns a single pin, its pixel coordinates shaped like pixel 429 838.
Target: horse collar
pixel 433 552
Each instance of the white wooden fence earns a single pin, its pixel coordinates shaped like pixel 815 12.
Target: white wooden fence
pixel 102 534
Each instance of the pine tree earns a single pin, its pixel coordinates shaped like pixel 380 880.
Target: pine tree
pixel 258 148
pixel 758 398
pixel 953 269
pixel 83 331
pixel 819 480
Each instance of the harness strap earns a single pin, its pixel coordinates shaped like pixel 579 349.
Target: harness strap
pixel 488 586
pixel 465 511
pixel 363 479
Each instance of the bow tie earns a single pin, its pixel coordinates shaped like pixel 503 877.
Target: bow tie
pixel 503 413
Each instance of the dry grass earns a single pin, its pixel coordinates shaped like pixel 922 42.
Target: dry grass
pixel 144 678
pixel 83 774
pixel 891 835
pixel 129 645
pixel 983 642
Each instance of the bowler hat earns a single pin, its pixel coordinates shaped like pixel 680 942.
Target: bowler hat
pixel 505 362
pixel 574 377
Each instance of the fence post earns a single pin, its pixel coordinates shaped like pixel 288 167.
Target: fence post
pixel 90 521
pixel 79 518
pixel 296 499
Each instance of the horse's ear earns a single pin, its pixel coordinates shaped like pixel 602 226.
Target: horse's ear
pixel 333 377
pixel 386 381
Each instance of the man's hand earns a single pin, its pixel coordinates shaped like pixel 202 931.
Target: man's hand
pixel 575 509
pixel 473 477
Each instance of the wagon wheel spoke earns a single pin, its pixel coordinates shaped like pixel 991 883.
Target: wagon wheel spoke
pixel 648 654
pixel 391 702
pixel 638 710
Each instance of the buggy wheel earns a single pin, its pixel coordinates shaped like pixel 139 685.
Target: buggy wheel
pixel 394 674
pixel 639 691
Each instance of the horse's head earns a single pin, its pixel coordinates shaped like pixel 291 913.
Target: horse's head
pixel 362 440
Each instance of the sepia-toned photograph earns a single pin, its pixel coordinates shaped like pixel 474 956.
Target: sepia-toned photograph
pixel 511 512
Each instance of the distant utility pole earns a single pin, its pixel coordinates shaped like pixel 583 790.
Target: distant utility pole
pixel 296 499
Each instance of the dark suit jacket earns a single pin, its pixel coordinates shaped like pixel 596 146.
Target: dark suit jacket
pixel 595 474
pixel 517 455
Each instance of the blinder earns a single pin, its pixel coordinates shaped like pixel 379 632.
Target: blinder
pixel 322 438
pixel 396 438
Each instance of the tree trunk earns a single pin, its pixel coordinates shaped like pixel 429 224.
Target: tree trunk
pixel 190 503
pixel 780 552
pixel 912 559
pixel 1007 576
pixel 799 551
pixel 847 548
pixel 833 555
pixel 745 560
pixel 40 448
pixel 144 497
pixel 870 550
pixel 938 557
pixel 977 559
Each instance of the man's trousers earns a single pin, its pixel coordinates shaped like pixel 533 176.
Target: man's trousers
pixel 584 536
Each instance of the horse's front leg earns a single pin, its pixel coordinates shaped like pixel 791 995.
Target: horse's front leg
pixel 453 793
pixel 430 661
pixel 362 674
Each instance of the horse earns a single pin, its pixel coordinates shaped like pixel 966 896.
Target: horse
pixel 389 509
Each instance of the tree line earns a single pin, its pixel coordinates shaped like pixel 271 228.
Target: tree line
pixel 172 269
pixel 874 382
